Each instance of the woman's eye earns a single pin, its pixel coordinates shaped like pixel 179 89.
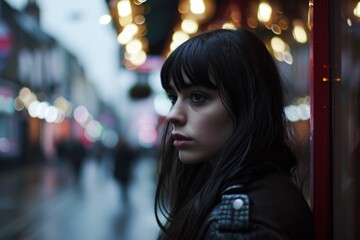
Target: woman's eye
pixel 197 98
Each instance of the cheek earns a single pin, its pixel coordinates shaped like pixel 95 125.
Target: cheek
pixel 220 134
pixel 211 135
pixel 218 130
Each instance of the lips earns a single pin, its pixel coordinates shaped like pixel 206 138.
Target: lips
pixel 181 141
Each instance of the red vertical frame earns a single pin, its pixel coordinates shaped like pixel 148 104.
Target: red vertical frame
pixel 320 117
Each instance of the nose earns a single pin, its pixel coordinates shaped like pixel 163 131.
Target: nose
pixel 177 115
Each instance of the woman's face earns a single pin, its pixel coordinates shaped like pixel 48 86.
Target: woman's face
pixel 201 123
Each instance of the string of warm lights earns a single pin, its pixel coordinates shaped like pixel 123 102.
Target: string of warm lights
pixel 129 16
pixel 193 12
pixel 131 23
pixel 276 21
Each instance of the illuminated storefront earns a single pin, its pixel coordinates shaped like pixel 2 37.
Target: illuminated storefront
pixel 10 135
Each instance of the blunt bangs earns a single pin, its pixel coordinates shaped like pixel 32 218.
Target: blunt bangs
pixel 189 60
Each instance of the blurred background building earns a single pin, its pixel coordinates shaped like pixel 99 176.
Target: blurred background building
pixel 78 76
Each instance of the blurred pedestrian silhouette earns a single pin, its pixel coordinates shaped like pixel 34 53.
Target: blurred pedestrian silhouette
pixel 72 151
pixel 124 157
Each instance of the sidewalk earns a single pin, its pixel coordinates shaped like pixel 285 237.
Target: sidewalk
pixel 44 203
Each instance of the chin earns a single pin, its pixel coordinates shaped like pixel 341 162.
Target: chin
pixel 191 159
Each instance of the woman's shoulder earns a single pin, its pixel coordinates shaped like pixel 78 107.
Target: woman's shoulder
pixel 278 202
pixel 269 208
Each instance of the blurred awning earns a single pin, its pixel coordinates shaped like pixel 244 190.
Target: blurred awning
pixel 156 27
pixel 160 17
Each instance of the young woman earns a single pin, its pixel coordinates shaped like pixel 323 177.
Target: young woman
pixel 226 166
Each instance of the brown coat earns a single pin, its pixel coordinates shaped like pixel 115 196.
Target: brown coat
pixel 272 207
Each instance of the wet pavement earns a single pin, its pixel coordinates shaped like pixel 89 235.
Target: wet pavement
pixel 47 202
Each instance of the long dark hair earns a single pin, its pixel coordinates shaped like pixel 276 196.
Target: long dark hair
pixel 238 64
